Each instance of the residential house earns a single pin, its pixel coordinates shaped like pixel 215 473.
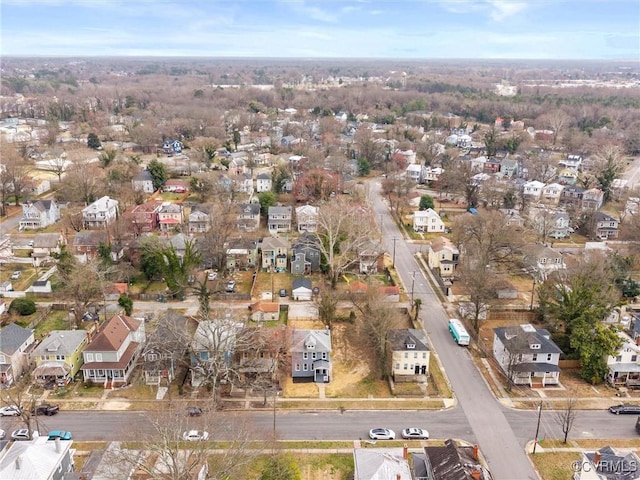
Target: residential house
pixel 244 183
pixel 427 221
pixel 100 213
pixel 256 357
pixel 311 355
pixel 85 244
pixel 305 255
pixel 170 217
pixel 143 182
pixel 301 289
pixel 542 260
pixel 242 254
pixel 164 351
pixel 632 206
pixel 171 146
pixel 451 461
pixel 59 357
pixel 44 244
pixel 592 199
pixel 566 176
pixel 551 193
pixel 37 186
pixel 607 464
pixel 624 366
pixel 572 162
pixel 432 174
pixel 606 226
pixel 443 257
pixel 514 219
pixel 113 351
pixel 248 218
pixel 279 219
pixel 263 183
pixel 572 195
pixel 370 258
pixel 550 223
pixel 212 348
pixel 410 355
pixel 199 219
pixel 175 185
pixel 491 166
pixel 264 311
pixel 413 172
pixel 15 347
pixel 40 286
pixel 307 218
pixel 381 464
pixel 527 355
pixel 39 214
pixel 509 167
pixel 533 189
pixel 144 217
pixel 275 253
pixel 6 286
pixel 238 163
pixel 38 459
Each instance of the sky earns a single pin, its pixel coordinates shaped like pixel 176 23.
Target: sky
pixel 411 29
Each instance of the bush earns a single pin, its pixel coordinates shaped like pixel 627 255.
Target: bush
pixel 22 306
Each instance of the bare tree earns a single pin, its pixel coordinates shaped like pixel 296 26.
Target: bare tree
pixel 14 171
pixel 160 452
pixel 479 285
pixel 566 417
pixel 344 230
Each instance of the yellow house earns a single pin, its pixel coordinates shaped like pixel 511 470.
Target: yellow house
pixel 59 357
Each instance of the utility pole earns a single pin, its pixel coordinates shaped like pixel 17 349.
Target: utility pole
pixel 393 264
pixel 413 279
pixel 535 440
pixel 533 292
pixel 275 400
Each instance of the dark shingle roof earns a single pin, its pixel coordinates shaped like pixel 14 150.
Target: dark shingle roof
pixel 12 337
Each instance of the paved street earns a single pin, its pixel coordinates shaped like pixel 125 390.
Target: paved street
pixel 496 438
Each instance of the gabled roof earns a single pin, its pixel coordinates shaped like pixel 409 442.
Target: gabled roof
pixel 266 307
pixel 380 464
pixel 143 176
pixel 47 240
pixel 90 238
pixel 321 339
pixel 520 338
pixel 112 334
pixel 301 282
pixel 441 243
pixel 603 217
pixel 279 210
pixel 389 290
pixel 61 342
pixel 448 462
pixel 35 459
pixel 614 465
pixel 400 339
pixel 13 337
pixel 275 243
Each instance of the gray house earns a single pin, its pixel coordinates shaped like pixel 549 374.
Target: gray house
pixel 279 219
pixel 311 356
pixel 15 344
pixel 142 182
pixel 305 254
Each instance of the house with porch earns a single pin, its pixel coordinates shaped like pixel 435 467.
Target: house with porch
pixel 143 182
pixel 607 463
pixel 39 214
pixel 263 182
pixel 85 244
pixel 527 355
pixel 275 253
pixel 113 351
pixel 44 244
pixel 624 367
pixel 427 221
pixel 311 356
pixel 279 219
pixel 307 218
pixel 592 199
pixel 144 217
pixel 533 189
pixel 199 219
pixel 164 351
pixel 551 193
pixel 170 217
pixel 16 343
pixel 242 254
pixel 100 213
pixel 606 226
pixel 248 217
pixel 370 258
pixel 542 260
pixel 59 357
pixel 572 195
pixel 410 353
pixel 443 257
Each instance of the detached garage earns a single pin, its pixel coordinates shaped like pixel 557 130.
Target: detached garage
pixel 301 289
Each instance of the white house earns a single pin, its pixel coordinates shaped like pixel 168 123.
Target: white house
pixel 263 183
pixel 414 172
pixel 624 367
pixel 551 193
pixel 100 213
pixel 301 289
pixel 410 355
pixel 432 174
pixel 307 218
pixel 143 182
pixel 533 188
pixel 427 221
pixel 39 214
pixel 527 355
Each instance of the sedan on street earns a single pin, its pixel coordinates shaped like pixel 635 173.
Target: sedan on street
pixel 2 434
pixel 195 435
pixel 382 434
pixel 61 434
pixel 10 411
pixel 415 433
pixel 194 411
pixel 21 434
pixel 625 409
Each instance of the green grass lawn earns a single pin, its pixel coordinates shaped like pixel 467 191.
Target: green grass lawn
pixel 555 466
pixel 56 320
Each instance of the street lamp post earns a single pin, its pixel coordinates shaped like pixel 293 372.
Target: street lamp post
pixel 275 401
pixel 535 440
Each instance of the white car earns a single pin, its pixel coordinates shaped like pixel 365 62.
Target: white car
pixel 415 433
pixel 195 435
pixel 10 411
pixel 212 275
pixel 16 275
pixel 382 434
pixel 2 434
pixel 21 434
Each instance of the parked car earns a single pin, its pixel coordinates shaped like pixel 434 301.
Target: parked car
pixel 625 409
pixel 2 434
pixel 31 243
pixel 45 409
pixel 10 411
pixel 195 435
pixel 382 434
pixel 212 275
pixel 283 292
pixel 21 434
pixel 415 433
pixel 231 285
pixel 16 275
pixel 194 411
pixel 61 434
pixel 638 425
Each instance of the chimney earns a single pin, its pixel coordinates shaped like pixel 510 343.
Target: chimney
pixel 638 340
pixel 475 453
pixel 596 459
pixel 405 452
pixel 398 476
pixel 18 461
pixel 57 441
pixel 476 474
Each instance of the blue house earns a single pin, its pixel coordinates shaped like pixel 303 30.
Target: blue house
pixel 172 146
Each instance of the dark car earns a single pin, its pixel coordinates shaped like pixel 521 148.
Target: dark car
pixel 283 292
pixel 45 409
pixel 625 409
pixel 194 411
